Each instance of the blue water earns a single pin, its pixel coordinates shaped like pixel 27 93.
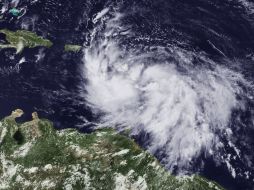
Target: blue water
pixel 222 29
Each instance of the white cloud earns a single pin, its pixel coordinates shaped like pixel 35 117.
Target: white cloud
pixel 181 105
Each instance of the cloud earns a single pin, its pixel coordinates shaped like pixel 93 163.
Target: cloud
pixel 182 99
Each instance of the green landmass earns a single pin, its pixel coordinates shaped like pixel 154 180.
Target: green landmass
pixel 21 39
pixel 33 155
pixel 73 48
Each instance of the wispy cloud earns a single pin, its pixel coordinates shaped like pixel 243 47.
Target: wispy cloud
pixel 183 105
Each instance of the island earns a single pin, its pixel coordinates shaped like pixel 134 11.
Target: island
pixel 21 39
pixel 34 155
pixel 73 48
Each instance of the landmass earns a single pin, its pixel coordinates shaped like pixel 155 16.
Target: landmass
pixel 21 39
pixel 73 48
pixel 33 155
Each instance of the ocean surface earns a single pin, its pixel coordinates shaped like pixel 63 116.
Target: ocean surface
pixel 177 74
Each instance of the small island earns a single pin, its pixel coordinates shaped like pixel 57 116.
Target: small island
pixel 73 48
pixel 36 156
pixel 21 39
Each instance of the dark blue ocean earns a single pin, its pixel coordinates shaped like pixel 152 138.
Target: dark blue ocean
pixel 49 80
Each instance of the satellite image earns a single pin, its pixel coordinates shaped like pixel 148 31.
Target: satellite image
pixel 127 94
